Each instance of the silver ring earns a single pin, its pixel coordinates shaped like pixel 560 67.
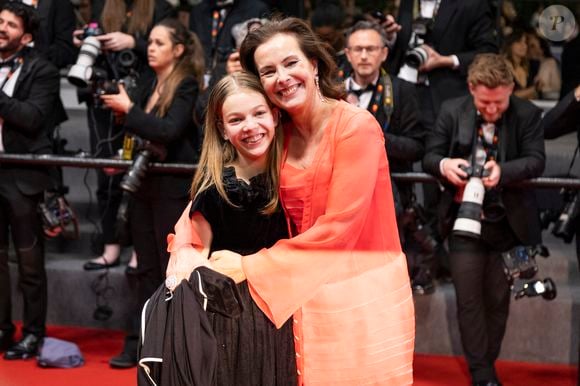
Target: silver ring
pixel 171 282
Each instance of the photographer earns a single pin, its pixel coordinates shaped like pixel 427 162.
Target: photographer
pixel 28 93
pixel 393 102
pixel 503 135
pixel 162 116
pixel 122 30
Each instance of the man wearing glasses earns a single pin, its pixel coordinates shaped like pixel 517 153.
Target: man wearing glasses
pixel 393 103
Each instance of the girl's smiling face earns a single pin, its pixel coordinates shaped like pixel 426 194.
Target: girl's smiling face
pixel 249 124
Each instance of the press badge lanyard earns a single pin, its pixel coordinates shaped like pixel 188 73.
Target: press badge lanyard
pixel 383 94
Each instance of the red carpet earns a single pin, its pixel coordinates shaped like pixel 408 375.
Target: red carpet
pixel 98 346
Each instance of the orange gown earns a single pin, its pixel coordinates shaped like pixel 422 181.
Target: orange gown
pixel 343 276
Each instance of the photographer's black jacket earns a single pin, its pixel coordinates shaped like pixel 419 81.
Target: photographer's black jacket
pixel 462 27
pixel 176 131
pixel 564 118
pixel 521 156
pixel 29 119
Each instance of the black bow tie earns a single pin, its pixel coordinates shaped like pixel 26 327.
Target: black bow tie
pixel 359 92
pixel 8 63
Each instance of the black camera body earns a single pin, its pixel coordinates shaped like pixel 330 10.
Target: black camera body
pixel 468 220
pixel 565 224
pixel 520 266
pixel 119 67
pixel 414 221
pixel 475 171
pixel 144 152
pixel 92 29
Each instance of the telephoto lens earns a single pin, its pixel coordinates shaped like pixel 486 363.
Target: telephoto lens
pixel 468 221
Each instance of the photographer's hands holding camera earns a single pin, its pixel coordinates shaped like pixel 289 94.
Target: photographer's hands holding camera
pixel 453 169
pixel 120 103
pixel 436 60
pixel 113 41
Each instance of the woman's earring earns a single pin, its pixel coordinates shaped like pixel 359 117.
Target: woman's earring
pixel 317 84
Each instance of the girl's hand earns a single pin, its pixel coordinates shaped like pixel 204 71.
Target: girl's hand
pixel 181 264
pixel 228 263
pixel 119 103
pixel 116 41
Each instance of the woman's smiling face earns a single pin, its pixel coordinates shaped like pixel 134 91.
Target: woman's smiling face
pixel 286 73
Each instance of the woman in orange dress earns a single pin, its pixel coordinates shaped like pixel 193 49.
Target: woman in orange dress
pixel 342 274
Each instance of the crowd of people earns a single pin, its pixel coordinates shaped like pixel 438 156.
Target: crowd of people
pixel 295 127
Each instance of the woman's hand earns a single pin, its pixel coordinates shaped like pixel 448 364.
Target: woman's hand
pixel 116 41
pixel 119 103
pixel 228 263
pixel 181 264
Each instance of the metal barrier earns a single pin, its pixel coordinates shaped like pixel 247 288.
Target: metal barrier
pixel 96 163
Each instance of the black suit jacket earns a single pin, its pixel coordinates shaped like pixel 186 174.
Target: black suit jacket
pixel 564 118
pixel 200 22
pixel 54 37
pixel 521 156
pixel 29 118
pixel 462 27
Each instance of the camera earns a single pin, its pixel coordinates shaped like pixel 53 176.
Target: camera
pixel 58 217
pixel 414 220
pixel 380 16
pixel 144 152
pixel 416 55
pixel 81 72
pixel 241 30
pixel 468 221
pixel 520 265
pixel 84 73
pixel 565 221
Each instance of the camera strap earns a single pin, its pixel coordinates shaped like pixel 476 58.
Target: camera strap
pixel 383 95
pixel 218 17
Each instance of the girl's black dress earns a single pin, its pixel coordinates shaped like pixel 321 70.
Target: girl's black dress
pixel 251 351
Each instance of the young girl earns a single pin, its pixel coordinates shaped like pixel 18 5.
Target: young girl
pixel 235 206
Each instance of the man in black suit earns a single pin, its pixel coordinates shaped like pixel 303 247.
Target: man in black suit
pixel 393 103
pixel 504 134
pixel 28 91
pixel 454 31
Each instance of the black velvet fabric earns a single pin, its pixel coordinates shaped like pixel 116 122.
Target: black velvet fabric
pixel 251 351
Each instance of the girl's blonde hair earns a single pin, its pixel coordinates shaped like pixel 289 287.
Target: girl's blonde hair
pixel 115 16
pixel 189 63
pixel 216 152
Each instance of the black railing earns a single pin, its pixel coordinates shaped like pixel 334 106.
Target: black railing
pixel 96 163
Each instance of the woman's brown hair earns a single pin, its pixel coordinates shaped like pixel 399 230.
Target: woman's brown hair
pixel 310 44
pixel 139 17
pixel 218 153
pixel 189 63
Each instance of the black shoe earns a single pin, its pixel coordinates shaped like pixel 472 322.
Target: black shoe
pixel 422 283
pixel 130 270
pixel 123 361
pixel 487 383
pixel 6 339
pixel 94 266
pixel 26 348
